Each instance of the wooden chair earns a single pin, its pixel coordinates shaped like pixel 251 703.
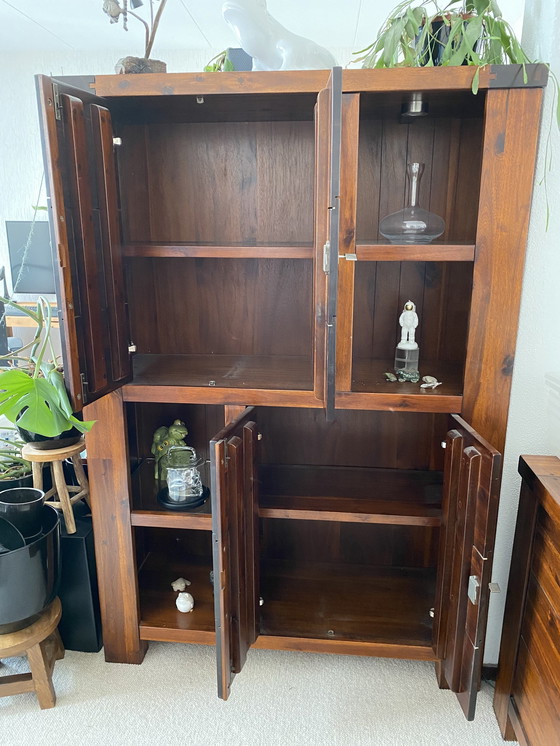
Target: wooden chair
pixel 59 495
pixel 42 645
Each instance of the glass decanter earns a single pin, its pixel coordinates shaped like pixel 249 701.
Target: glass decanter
pixel 412 224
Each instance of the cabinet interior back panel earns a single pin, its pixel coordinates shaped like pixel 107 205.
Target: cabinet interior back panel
pixel 355 438
pixel 450 150
pixel 221 306
pixel 245 183
pixel 349 543
pixel 441 292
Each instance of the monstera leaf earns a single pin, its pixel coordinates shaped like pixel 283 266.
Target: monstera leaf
pixel 40 404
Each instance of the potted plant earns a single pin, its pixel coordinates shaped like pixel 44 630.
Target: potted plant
pixel 15 471
pixel 420 33
pixel 32 392
pixel 116 11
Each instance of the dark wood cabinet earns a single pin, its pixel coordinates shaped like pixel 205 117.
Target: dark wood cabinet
pixel 527 697
pixel 220 262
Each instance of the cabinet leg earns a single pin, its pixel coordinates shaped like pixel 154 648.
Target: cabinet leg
pixel 441 680
pixel 509 731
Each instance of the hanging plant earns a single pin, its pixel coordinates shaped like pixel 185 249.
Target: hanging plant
pixel 423 34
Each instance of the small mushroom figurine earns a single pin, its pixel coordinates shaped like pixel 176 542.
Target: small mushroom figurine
pixel 180 584
pixel 184 602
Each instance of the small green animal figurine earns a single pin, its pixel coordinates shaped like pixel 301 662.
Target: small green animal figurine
pixel 166 438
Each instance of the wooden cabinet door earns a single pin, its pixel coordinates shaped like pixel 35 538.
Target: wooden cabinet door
pixel 233 456
pixel 328 122
pixel 86 240
pixel 470 509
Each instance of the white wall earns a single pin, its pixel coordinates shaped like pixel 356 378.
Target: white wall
pixel 534 418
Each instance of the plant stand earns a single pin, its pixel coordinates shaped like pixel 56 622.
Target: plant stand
pixel 59 495
pixel 42 645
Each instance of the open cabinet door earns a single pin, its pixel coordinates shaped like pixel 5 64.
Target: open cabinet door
pixel 233 455
pixel 328 122
pixel 82 191
pixel 470 509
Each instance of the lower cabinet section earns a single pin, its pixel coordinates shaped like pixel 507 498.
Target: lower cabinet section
pixel 166 555
pixel 353 536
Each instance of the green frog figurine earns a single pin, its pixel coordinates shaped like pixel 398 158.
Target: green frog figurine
pixel 166 438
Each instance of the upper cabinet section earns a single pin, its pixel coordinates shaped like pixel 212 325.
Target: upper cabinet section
pixel 441 131
pixel 217 170
pixel 250 229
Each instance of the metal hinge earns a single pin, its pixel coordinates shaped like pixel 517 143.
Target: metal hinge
pixel 85 385
pixel 117 141
pixel 131 348
pixel 56 101
pixel 327 257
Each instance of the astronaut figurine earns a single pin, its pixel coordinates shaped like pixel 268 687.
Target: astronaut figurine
pixel 407 352
pixel 408 321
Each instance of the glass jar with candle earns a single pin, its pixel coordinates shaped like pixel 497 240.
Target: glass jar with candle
pixel 180 484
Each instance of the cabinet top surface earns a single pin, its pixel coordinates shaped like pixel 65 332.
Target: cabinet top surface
pixel 542 474
pixel 312 81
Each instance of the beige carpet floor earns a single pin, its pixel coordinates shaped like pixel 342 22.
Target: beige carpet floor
pixel 280 698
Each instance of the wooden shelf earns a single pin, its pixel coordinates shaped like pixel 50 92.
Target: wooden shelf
pixel 173 250
pixel 373 252
pixel 330 602
pixel 223 379
pixel 370 389
pixel 159 617
pixel 146 511
pixel 356 495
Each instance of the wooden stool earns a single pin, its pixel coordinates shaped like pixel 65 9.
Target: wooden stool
pixel 59 495
pixel 42 645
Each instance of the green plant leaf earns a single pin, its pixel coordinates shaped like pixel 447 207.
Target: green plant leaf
pixel 472 31
pixel 45 401
pixel 475 81
pixel 56 379
pixel 32 403
pixel 392 41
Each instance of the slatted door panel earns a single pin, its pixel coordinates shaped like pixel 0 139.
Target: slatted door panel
pixel 470 513
pixel 328 121
pixel 235 550
pixel 82 191
pixel 110 235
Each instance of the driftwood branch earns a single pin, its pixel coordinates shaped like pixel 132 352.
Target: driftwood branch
pixel 146 28
pixel 150 42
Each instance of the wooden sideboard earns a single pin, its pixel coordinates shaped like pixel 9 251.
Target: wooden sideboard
pixel 527 699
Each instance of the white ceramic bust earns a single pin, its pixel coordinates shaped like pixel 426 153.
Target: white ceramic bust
pixel 408 321
pixel 270 44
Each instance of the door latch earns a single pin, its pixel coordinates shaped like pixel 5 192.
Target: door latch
pixel 85 385
pixel 327 257
pixel 474 590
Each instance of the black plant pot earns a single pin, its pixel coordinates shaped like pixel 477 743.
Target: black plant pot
pixel 23 506
pixel 45 443
pixel 9 484
pixel 434 46
pixel 29 577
